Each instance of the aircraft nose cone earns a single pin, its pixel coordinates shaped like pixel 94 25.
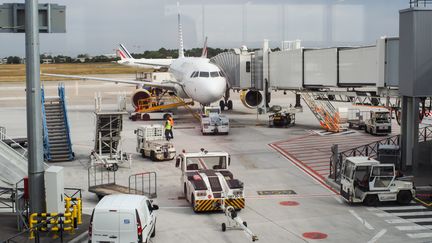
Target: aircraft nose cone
pixel 217 88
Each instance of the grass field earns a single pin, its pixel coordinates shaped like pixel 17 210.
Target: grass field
pixel 16 72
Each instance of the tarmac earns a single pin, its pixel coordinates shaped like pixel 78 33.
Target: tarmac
pixel 284 201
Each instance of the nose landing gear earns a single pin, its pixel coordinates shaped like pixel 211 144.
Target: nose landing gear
pixel 228 104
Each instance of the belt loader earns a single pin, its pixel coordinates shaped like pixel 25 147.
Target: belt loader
pixel 151 143
pixel 207 183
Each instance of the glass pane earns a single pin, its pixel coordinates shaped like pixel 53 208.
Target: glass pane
pixel 214 74
pixel 214 162
pixel 204 74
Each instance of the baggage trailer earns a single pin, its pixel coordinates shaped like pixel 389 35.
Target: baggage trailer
pixel 151 143
pixel 207 183
pixel 357 118
pixel 102 182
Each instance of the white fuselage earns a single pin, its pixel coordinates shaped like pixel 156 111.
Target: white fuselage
pixel 198 79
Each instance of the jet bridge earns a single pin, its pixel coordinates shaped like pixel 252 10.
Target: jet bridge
pixel 296 68
pixel 366 71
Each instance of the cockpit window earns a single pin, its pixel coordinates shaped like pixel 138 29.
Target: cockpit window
pixel 204 74
pixel 192 74
pixel 214 74
pixel 196 73
pixel 221 74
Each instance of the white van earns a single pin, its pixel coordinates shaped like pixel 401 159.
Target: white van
pixel 123 218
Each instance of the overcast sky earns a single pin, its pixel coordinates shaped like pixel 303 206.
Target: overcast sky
pixel 97 26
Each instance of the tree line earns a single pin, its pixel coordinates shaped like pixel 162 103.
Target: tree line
pixel 85 58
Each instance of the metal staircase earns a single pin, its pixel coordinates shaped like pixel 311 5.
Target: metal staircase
pixel 323 110
pixel 57 142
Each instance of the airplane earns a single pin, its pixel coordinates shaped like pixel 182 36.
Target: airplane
pixel 127 59
pixel 194 77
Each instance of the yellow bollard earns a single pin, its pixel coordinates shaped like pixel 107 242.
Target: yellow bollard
pixel 68 204
pixel 32 221
pixel 79 202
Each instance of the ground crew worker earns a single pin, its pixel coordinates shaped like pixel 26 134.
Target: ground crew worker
pixel 167 129
pixel 171 120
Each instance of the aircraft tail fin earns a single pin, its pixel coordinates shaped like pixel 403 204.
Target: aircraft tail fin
pixel 120 54
pixel 125 52
pixel 180 33
pixel 204 50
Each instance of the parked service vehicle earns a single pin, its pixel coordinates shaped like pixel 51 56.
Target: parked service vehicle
pixel 151 143
pixel 379 123
pixel 213 122
pixel 206 181
pixel 364 179
pixel 123 218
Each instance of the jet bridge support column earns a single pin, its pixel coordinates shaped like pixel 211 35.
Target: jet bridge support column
pixel 415 72
pixel 297 101
pixel 409 132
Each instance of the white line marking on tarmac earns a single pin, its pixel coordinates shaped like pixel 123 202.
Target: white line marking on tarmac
pixel 413 227
pixel 402 221
pixel 404 214
pixel 420 235
pixel 364 222
pixel 337 198
pixel 396 208
pixel 377 236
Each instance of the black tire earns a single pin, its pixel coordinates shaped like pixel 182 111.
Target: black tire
pixel 133 117
pixel 152 156
pixel 193 203
pixel 245 223
pixel 145 117
pixel 404 197
pixel 222 105
pixel 153 234
pixel 185 191
pixel 230 105
pixel 371 200
pixel 223 227
pixel 113 167
pixel 143 153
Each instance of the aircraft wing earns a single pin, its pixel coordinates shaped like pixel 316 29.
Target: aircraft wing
pixel 164 84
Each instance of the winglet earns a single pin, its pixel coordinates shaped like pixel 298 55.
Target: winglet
pixel 180 33
pixel 204 50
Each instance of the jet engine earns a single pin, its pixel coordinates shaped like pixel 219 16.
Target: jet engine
pixel 251 98
pixel 139 94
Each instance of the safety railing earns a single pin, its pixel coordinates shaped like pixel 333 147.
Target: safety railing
pixel 7 196
pixel 420 3
pixel 46 143
pixel 98 175
pixel 21 151
pixel 143 183
pixel 61 93
pixel 21 205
